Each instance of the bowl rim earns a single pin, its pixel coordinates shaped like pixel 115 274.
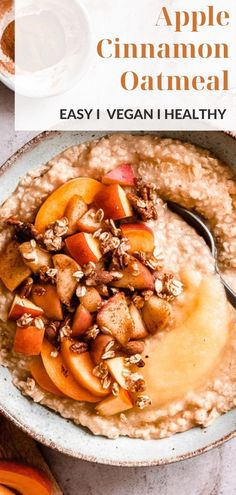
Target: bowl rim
pixel 29 145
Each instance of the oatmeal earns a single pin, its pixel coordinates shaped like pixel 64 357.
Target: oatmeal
pixel 183 320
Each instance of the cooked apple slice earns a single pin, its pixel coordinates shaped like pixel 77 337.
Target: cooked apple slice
pixel 34 256
pixel 62 377
pixel 54 207
pixel 98 347
pixel 41 377
pixel 21 306
pixel 91 300
pixel 89 222
pixel 185 357
pixel 13 270
pixel 75 209
pixel 81 367
pixel 116 367
pixel 115 317
pixel 114 405
pixel 156 314
pixel 123 175
pixel 66 282
pixel 28 340
pixel 136 275
pixel 24 478
pixel 114 202
pixel 141 237
pixel 139 330
pixel 82 321
pixel 46 297
pixel 83 248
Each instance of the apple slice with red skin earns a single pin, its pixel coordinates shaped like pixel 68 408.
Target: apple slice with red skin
pixel 47 298
pixel 41 377
pixel 115 316
pixel 62 377
pixel 21 306
pixel 83 248
pixel 82 321
pixel 135 275
pixel 88 222
pixel 28 340
pixel 140 236
pixel 5 491
pixel 81 367
pixel 114 202
pixel 24 478
pixel 54 206
pixel 98 347
pixel 115 404
pixel 123 175
pixel 75 209
pixel 139 330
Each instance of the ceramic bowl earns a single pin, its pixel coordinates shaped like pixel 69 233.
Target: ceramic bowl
pixel 49 428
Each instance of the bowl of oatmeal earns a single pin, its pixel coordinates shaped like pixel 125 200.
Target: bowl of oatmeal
pixel 112 315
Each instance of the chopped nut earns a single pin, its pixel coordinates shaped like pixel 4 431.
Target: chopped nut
pixel 138 301
pixel 26 288
pixel 115 389
pixel 101 370
pixel 24 230
pixel 143 401
pixel 92 332
pixel 25 320
pixel 79 347
pixel 51 331
pixel 113 228
pixel 150 261
pixel 65 329
pixel 167 286
pixel 65 371
pixel 89 268
pixel 53 236
pixel 135 347
pixel 135 382
pixel 39 291
pixel 48 275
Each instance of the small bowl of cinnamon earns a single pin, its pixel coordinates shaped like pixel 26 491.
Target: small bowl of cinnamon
pixel 7 43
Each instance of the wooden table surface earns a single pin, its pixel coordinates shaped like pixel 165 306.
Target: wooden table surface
pixel 212 473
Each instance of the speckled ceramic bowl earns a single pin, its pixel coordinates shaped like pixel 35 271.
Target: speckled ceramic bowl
pixel 45 425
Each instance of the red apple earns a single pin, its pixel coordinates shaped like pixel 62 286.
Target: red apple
pixel 83 248
pixel 136 275
pixel 28 340
pixel 21 306
pixel 123 174
pixel 98 347
pixel 83 320
pixel 141 237
pixel 24 478
pixel 114 202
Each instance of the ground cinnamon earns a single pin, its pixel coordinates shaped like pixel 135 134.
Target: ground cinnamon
pixel 8 41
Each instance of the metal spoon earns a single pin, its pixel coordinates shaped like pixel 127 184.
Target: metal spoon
pixel 198 224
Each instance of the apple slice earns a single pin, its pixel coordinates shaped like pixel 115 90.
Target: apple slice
pixel 28 340
pixel 66 282
pixel 13 270
pixel 135 275
pixel 98 347
pixel 82 321
pixel 156 314
pixel 54 207
pixel 141 237
pixel 75 209
pixel 115 405
pixel 139 330
pixel 115 317
pixel 62 377
pixel 47 298
pixel 24 478
pixel 41 377
pixel 88 222
pixel 91 300
pixel 83 248
pixel 114 202
pixel 186 357
pixel 21 306
pixel 123 175
pixel 116 367
pixel 81 367
pixel 34 256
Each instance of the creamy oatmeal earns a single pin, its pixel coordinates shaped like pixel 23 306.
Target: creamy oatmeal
pixel 201 333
